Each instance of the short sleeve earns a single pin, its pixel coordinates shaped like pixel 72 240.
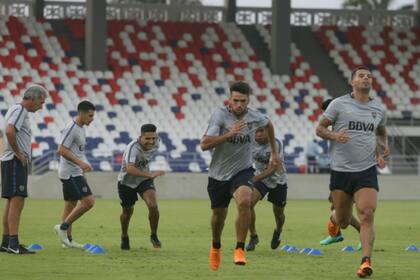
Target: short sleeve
pixel 262 120
pixel 215 124
pixel 384 119
pixel 332 111
pixel 68 135
pixel 17 116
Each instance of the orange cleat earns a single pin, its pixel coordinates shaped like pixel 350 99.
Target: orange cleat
pixel 214 258
pixel 239 256
pixel 365 269
pixel 333 230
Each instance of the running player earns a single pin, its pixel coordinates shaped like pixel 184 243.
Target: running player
pixel 136 179
pixel 73 165
pixel 14 165
pixel 358 126
pixel 229 135
pixel 271 180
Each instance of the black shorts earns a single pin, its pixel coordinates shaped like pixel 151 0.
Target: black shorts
pixel 220 192
pixel 75 188
pixel 351 182
pixel 14 179
pixel 277 196
pixel 129 196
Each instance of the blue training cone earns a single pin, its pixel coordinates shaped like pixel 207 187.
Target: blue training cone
pixel 292 249
pixel 347 249
pixel 97 249
pixel 315 252
pixel 35 247
pixel 412 248
pixel 305 250
pixel 87 246
pixel 285 247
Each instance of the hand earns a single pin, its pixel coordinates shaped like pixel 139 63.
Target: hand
pixel 237 127
pixel 157 174
pixel 23 158
pixel 385 149
pixel 275 161
pixel 85 166
pixel 380 161
pixel 342 136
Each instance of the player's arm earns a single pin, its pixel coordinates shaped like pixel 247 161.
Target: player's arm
pixel 11 138
pixel 269 171
pixel 323 132
pixel 209 142
pixel 382 141
pixel 134 171
pixel 274 159
pixel 70 156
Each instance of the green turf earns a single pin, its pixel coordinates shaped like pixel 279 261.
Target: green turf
pixel 185 233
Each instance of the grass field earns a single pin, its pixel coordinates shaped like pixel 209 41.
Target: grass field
pixel 185 233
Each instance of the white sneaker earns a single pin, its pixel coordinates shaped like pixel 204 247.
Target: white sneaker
pixel 73 244
pixel 62 234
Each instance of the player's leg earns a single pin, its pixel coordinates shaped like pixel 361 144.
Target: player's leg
pixel 128 198
pixel 278 197
pixel 366 201
pixel 13 220
pixel 5 239
pixel 242 196
pixel 68 207
pixel 149 197
pixel 253 239
pixel 343 209
pixel 219 197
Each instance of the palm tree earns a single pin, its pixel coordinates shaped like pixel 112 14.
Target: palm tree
pixel 372 4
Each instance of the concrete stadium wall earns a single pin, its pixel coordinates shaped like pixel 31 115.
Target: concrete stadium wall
pixel 193 186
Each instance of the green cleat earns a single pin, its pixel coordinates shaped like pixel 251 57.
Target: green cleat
pixel 331 239
pixel 359 247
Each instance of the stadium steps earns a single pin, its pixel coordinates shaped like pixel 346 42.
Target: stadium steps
pixel 257 42
pixel 77 45
pixel 316 56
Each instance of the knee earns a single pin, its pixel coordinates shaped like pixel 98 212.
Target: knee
pixel 244 203
pixel 88 203
pixel 127 212
pixel 153 207
pixel 366 215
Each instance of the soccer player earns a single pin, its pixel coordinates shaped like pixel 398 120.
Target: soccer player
pixel 271 180
pixel 14 165
pixel 136 179
pixel 73 165
pixel 334 231
pixel 358 127
pixel 229 135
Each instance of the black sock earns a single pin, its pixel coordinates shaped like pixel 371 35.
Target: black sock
pixel 217 245
pixel 5 241
pixel 13 241
pixel 240 245
pixel 70 238
pixel 254 236
pixel 365 259
pixel 153 235
pixel 64 226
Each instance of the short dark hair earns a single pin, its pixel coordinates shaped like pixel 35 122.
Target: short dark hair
pixel 361 67
pixel 325 104
pixel 148 128
pixel 85 106
pixel 241 87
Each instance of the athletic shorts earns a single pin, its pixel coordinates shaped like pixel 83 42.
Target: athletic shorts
pixel 277 196
pixel 351 182
pixel 75 188
pixel 14 178
pixel 220 192
pixel 129 196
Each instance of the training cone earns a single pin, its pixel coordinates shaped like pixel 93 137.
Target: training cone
pixel 35 247
pixel 87 246
pixel 347 249
pixel 412 248
pixel 285 247
pixel 315 252
pixel 97 249
pixel 292 249
pixel 305 250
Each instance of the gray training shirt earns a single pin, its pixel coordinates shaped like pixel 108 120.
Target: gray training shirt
pixel 18 116
pixel 234 154
pixel 73 138
pixel 134 153
pixel 361 120
pixel 261 154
